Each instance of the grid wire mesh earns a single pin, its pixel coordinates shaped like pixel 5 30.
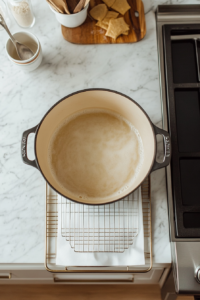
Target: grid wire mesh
pixel 103 228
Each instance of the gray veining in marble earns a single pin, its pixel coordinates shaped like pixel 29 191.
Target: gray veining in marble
pixel 24 99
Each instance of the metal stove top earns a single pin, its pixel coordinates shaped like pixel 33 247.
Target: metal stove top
pixel 178 31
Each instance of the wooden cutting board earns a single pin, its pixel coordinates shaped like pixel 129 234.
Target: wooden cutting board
pixel 89 33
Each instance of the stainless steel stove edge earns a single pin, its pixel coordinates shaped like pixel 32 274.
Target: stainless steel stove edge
pixel 186 261
pixel 160 23
pixel 185 252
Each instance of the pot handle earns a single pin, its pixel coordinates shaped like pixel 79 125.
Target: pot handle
pixel 24 147
pixel 168 152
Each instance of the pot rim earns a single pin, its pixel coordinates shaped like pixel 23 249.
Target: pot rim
pixel 88 90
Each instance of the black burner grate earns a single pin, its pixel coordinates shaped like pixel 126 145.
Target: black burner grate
pixel 182 66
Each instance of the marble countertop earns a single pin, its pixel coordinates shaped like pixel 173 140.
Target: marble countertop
pixel 24 98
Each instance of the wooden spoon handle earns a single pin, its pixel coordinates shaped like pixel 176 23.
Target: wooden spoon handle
pixel 86 2
pixel 79 6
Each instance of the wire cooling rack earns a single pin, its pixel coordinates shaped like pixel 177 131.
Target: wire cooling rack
pixel 103 228
pixel 51 233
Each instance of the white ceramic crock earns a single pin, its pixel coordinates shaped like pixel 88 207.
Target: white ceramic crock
pixel 73 20
pixel 104 99
pixel 29 64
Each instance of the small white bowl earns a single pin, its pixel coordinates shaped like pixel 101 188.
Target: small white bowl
pixel 31 41
pixel 73 20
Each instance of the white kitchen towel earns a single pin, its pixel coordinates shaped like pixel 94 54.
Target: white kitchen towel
pixel 134 255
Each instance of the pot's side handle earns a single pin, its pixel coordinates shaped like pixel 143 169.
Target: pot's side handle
pixel 167 145
pixel 24 147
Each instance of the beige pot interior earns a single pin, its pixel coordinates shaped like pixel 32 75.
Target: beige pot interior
pixel 95 99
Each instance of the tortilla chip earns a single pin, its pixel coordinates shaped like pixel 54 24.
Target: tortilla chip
pixel 110 15
pixel 116 27
pixel 99 12
pixel 121 6
pixel 109 3
pixel 102 25
pixel 126 32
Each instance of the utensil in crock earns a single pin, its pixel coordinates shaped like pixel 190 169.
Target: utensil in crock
pixel 23 51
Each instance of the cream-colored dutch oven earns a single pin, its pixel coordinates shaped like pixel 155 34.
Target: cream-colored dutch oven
pixel 96 98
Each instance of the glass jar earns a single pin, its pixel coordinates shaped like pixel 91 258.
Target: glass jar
pixel 22 12
pixel 4 12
